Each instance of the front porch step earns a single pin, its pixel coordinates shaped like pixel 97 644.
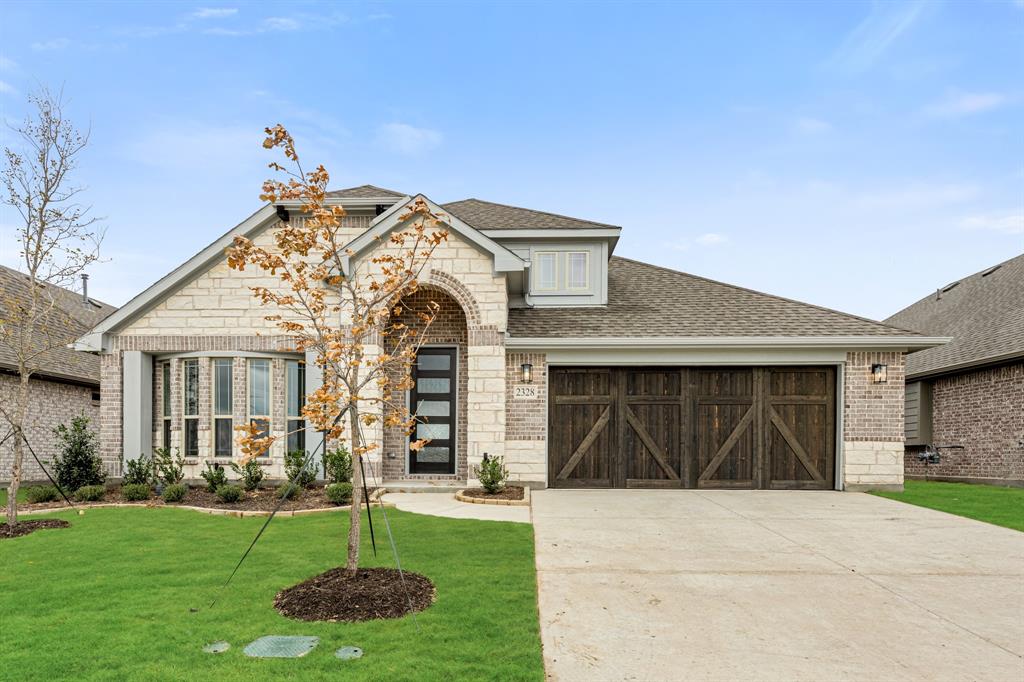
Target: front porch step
pixel 422 486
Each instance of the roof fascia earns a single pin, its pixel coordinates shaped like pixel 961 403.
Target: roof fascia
pixel 504 260
pixel 95 339
pixel 904 343
pixel 981 363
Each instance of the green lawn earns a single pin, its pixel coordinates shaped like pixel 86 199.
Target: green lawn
pixel 110 598
pixel 1001 506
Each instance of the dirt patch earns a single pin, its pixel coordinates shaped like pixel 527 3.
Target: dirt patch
pixel 264 499
pixel 373 593
pixel 511 492
pixel 26 527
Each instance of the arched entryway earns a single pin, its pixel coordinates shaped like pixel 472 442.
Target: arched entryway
pixel 441 379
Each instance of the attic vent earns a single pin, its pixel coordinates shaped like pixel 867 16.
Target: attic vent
pixel 950 287
pixel 991 270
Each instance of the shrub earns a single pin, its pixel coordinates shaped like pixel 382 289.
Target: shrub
pixel 339 493
pixel 493 474
pixel 288 490
pixel 251 474
pixel 302 476
pixel 230 493
pixel 41 493
pixel 138 471
pixel 175 492
pixel 134 492
pixel 90 493
pixel 77 464
pixel 338 465
pixel 215 476
pixel 169 469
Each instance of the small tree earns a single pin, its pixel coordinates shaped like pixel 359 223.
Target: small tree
pixel 77 463
pixel 339 314
pixel 58 240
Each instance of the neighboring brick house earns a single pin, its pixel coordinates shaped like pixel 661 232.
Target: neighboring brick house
pixel 580 368
pixel 969 392
pixel 66 385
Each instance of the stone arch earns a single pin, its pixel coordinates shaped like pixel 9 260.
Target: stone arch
pixel 460 293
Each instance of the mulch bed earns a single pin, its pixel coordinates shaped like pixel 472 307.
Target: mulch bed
pixel 26 527
pixel 511 492
pixel 373 593
pixel 264 499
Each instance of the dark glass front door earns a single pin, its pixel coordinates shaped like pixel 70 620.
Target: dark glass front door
pixel 433 402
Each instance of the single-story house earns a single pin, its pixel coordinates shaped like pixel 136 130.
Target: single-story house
pixel 580 368
pixel 67 383
pixel 967 397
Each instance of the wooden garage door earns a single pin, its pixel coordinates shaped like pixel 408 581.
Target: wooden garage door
pixel 692 427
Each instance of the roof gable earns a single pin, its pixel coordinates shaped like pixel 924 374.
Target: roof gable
pixel 984 313
pixel 364 192
pixel 504 260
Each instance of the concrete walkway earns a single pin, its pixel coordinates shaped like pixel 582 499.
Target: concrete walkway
pixel 445 504
pixel 773 585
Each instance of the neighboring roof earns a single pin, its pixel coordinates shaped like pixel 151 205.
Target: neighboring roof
pixel 984 313
pixel 647 301
pixel 78 318
pixel 486 215
pixel 364 192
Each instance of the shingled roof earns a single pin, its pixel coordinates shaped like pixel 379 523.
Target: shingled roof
pixel 649 301
pixel 58 363
pixel 487 215
pixel 364 192
pixel 984 313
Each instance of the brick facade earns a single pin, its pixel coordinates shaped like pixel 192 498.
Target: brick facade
pixel 873 422
pixel 526 421
pixel 53 403
pixel 982 410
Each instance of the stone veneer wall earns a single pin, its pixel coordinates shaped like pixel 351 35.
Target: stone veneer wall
pixel 982 410
pixel 873 422
pixel 526 420
pixel 51 403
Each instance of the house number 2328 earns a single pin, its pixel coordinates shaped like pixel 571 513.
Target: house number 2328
pixel 524 392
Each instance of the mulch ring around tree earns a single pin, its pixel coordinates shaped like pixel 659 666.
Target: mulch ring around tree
pixel 26 527
pixel 511 492
pixel 373 593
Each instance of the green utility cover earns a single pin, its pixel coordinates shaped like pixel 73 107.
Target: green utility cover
pixel 278 646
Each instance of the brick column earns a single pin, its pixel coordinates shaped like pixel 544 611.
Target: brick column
pixel 873 429
pixel 205 408
pixel 111 405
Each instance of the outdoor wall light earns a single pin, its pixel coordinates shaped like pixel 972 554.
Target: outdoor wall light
pixel 879 374
pixel 527 370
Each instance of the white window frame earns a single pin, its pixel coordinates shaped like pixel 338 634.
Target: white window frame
pixel 166 396
pixel 289 418
pixel 215 416
pixel 270 395
pixel 586 270
pixel 185 416
pixel 536 277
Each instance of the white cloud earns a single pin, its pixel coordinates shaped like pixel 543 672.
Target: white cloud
pixel 957 104
pixel 812 126
pixel 7 88
pixel 406 139
pixel 866 43
pixel 54 44
pixel 215 12
pixel 7 64
pixel 711 239
pixel 281 24
pixel 1006 223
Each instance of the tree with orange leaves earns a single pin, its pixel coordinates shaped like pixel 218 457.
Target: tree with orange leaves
pixel 347 313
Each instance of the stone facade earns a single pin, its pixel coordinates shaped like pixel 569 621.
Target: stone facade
pixel 53 403
pixel 983 411
pixel 873 422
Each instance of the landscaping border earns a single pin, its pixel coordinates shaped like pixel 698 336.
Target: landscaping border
pixel 525 502
pixel 237 513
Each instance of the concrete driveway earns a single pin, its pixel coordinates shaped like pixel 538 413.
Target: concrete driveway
pixel 774 585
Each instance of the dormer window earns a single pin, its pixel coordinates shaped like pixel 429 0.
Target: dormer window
pixel 578 271
pixel 546 274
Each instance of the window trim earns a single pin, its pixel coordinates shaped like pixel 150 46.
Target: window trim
pixel 185 416
pixel 250 417
pixel 290 418
pixel 216 416
pixel 586 271
pixel 165 407
pixel 536 277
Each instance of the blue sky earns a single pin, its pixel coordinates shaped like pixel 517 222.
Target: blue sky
pixel 853 155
